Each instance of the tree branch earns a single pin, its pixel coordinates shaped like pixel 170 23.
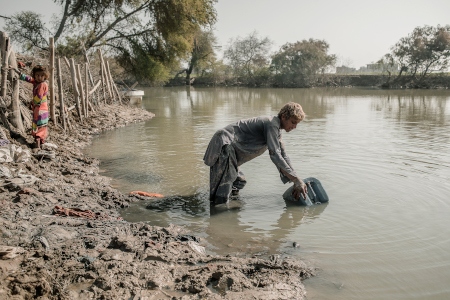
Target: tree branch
pixel 121 35
pixel 118 20
pixel 63 21
pixel 66 15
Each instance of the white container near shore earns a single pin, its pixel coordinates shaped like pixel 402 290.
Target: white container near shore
pixel 134 95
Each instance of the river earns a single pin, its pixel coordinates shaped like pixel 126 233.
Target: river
pixel 383 157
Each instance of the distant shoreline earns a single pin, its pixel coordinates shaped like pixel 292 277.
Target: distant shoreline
pixel 437 81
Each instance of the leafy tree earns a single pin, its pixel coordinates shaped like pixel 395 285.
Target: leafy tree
pixel 164 29
pixel 217 71
pixel 248 56
pixel 425 50
pixel 300 63
pixel 202 54
pixel 146 60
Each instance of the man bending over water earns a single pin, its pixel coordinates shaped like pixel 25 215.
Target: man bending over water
pixel 240 142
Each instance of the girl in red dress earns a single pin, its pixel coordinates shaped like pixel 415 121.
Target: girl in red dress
pixel 39 129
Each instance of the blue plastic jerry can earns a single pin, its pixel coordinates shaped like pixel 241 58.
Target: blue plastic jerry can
pixel 315 193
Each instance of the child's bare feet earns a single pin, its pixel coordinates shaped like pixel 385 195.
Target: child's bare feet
pixel 37 144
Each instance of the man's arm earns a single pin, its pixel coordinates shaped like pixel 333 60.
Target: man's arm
pixel 281 160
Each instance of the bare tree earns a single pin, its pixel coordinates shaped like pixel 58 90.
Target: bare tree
pixel 249 54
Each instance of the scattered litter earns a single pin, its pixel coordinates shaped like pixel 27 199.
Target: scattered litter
pixel 197 248
pixel 22 179
pixel 8 252
pixel 145 194
pixel 76 212
pixel 43 241
pixel 11 152
pixel 44 154
pixel 5 172
pixel 49 146
pixel 3 142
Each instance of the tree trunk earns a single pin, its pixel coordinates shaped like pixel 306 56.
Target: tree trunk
pixel 188 78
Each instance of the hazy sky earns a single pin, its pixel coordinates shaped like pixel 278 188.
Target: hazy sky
pixel 358 31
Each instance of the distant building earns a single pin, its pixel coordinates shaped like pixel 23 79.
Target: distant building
pixel 368 69
pixel 380 68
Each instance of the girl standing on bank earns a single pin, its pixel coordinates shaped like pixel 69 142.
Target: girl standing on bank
pixel 39 106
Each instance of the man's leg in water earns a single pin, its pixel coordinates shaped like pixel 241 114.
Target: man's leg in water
pixel 239 183
pixel 222 175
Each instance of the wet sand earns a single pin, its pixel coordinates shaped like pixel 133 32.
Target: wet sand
pixel 63 238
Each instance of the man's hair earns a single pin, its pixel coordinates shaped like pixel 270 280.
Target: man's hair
pixel 292 109
pixel 38 69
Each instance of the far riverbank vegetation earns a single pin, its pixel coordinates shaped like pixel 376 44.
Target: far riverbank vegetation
pixel 160 43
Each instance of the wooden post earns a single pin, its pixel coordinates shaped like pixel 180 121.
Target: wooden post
pixel 5 49
pixel 67 62
pixel 91 80
pixel 16 119
pixel 62 114
pixel 86 84
pixel 117 91
pixel 95 87
pixel 81 89
pixel 108 82
pixel 52 80
pixel 89 71
pixel 69 125
pixel 1 43
pixel 102 74
pixel 112 82
pixel 73 73
pixel 105 74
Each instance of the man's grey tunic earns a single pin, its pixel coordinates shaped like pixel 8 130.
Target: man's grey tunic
pixel 250 138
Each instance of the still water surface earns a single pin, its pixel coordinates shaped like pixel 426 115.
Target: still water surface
pixel 382 156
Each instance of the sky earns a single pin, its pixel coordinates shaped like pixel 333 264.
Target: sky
pixel 359 32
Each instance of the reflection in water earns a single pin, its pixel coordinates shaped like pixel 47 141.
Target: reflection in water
pixel 383 157
pixel 226 230
pixel 416 110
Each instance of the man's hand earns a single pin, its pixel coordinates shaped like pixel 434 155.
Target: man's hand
pixel 299 186
pixel 299 189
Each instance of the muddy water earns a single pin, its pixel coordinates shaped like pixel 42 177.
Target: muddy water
pixel 382 156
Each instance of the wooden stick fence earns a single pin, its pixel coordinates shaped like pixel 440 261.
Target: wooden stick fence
pixel 62 112
pixel 86 91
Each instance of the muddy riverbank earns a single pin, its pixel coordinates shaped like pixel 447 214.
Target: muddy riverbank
pixel 61 236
